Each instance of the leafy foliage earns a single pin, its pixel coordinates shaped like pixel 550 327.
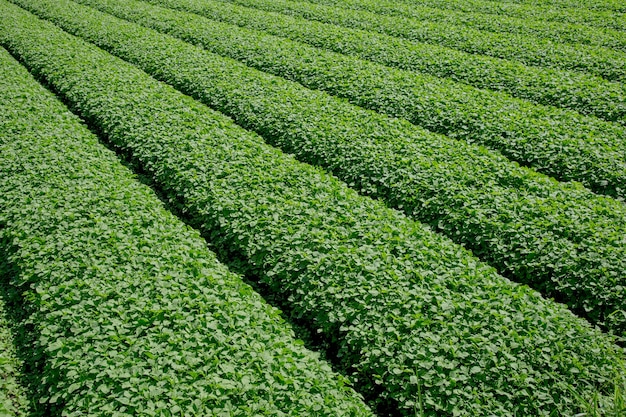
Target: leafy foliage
pixel 494 19
pixel 560 238
pixel 527 133
pixel 416 319
pixel 512 126
pixel 603 5
pixel 134 315
pixel 587 94
pixel 13 399
pixel 604 62
pixel 592 14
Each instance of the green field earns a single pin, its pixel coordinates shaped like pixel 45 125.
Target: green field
pixel 322 208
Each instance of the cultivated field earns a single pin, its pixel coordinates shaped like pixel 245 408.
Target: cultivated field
pixel 321 208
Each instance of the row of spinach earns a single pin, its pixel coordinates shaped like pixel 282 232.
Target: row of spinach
pixel 417 322
pixel 560 238
pixel 600 61
pixel 130 313
pixel 558 32
pixel 591 14
pixel 584 93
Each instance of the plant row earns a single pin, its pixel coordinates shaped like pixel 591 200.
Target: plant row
pixel 416 318
pixel 572 22
pixel 577 91
pixel 559 238
pixel 14 401
pixel 133 315
pixel 554 31
pixel 546 13
pixel 13 398
pixel 608 5
pixel 589 150
pixel 603 62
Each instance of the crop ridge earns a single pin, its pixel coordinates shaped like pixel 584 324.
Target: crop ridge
pixel 557 237
pixel 130 314
pixel 601 61
pixel 397 300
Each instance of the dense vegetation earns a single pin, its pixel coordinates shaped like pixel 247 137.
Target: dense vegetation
pixel 514 127
pixel 133 315
pixel 359 285
pixel 582 92
pixel 530 50
pixel 13 399
pixel 587 10
pixel 560 238
pixel 128 313
pixel 591 15
pixel 555 31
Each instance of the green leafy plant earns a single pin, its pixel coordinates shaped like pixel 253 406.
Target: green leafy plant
pixel 133 315
pixel 408 313
pixel 593 27
pixel 593 14
pixel 530 50
pixel 585 93
pixel 560 238
pixel 13 398
pixel 521 131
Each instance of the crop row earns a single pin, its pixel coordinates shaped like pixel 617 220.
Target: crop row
pixel 568 89
pixel 559 238
pixel 554 31
pixel 398 303
pixel 481 20
pixel 608 5
pixel 604 62
pixel 134 315
pixel 13 398
pixel 547 13
pixel 589 150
